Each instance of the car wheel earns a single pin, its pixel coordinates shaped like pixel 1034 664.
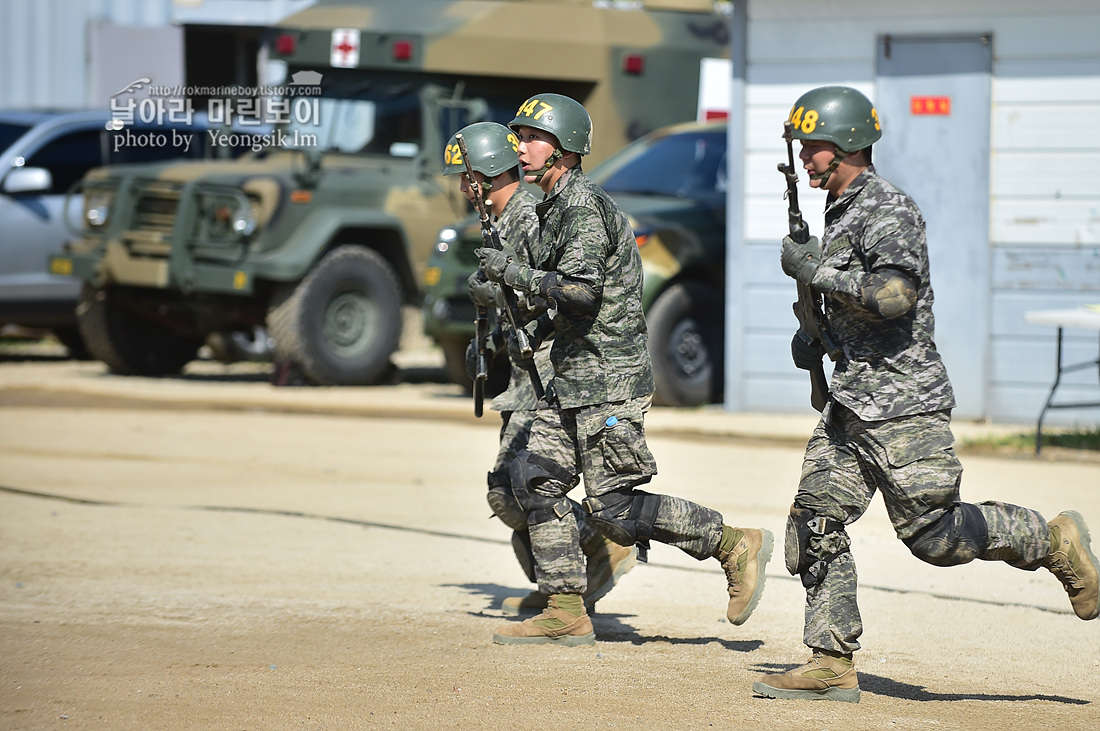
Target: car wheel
pixel 454 360
pixel 70 338
pixel 127 342
pixel 342 323
pixel 686 326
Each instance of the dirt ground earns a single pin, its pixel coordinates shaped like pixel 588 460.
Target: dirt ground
pixel 169 567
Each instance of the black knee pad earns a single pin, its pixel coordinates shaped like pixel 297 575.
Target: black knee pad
pixel 502 501
pixel 529 471
pixel 626 517
pixel 959 536
pixel 521 544
pixel 801 560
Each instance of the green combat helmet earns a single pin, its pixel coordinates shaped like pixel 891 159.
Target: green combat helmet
pixel 837 114
pixel 492 148
pixel 562 117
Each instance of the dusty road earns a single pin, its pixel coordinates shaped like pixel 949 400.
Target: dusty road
pixel 165 565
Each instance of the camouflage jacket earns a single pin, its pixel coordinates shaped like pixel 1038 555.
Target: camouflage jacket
pixel 599 356
pixel 518 227
pixel 889 368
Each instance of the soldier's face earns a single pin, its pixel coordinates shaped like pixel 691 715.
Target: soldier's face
pixel 535 147
pixel 816 156
pixel 465 187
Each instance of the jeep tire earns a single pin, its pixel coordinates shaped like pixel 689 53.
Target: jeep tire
pixel 130 344
pixel 454 360
pixel 686 345
pixel 342 322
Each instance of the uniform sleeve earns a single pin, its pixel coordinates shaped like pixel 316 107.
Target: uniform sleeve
pixel 893 254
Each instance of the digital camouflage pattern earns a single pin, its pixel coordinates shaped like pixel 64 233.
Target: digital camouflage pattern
pixel 518 228
pixel 598 356
pixel 889 368
pixel 610 458
pixel 889 428
pixel 911 461
pixel 603 383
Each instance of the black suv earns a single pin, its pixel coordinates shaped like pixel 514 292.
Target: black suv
pixel 672 185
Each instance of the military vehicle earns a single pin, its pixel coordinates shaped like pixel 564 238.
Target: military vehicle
pixel 324 235
pixel 672 185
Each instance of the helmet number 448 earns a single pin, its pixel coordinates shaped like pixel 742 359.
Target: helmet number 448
pixel 807 121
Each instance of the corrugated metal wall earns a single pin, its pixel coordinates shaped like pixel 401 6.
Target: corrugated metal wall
pixel 44 47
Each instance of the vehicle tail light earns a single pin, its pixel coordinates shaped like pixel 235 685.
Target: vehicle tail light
pixel 402 50
pixel 286 44
pixel 633 63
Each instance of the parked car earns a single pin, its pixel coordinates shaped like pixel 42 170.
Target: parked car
pixel 42 154
pixel 672 185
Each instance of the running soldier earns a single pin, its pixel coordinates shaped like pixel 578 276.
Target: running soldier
pixel 590 275
pixel 886 425
pixel 495 162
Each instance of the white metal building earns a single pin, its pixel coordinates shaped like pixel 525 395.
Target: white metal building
pixel 1003 168
pixel 75 54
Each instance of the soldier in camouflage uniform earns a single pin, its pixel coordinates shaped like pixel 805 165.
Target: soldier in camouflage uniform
pixel 495 162
pixel 590 275
pixel 886 426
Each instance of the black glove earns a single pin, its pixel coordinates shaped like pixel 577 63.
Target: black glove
pixel 800 261
pixel 492 343
pixel 484 293
pixel 504 266
pixel 471 360
pixel 807 354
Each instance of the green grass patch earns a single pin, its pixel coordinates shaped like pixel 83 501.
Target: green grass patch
pixel 1074 438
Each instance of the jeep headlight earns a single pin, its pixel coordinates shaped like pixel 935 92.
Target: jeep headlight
pixel 243 222
pixel 97 207
pixel 446 238
pixel 230 216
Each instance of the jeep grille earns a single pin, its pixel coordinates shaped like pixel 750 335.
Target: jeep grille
pixel 156 209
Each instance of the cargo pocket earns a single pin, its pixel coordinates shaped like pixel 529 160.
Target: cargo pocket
pixel 905 448
pixel 618 436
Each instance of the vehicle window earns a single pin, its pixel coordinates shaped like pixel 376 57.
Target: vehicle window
pixel 371 123
pixel 685 165
pixel 9 133
pixel 68 157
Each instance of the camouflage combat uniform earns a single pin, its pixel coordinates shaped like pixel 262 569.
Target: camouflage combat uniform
pixel 601 387
pixel 887 427
pixel 518 228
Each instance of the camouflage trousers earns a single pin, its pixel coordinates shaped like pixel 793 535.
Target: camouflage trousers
pixel 911 461
pixel 515 433
pixel 606 444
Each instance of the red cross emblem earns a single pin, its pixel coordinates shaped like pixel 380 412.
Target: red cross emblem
pixel 345 48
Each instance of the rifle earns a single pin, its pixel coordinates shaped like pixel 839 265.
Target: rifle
pixel 491 239
pixel 808 309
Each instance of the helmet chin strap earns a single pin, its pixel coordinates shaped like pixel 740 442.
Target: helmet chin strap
pixel 554 157
pixel 838 157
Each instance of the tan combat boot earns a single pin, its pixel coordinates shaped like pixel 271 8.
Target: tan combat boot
pixel 1072 561
pixel 744 567
pixel 824 678
pixel 607 563
pixel 554 625
pixel 532 603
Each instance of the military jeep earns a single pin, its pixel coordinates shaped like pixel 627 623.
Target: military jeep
pixel 323 235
